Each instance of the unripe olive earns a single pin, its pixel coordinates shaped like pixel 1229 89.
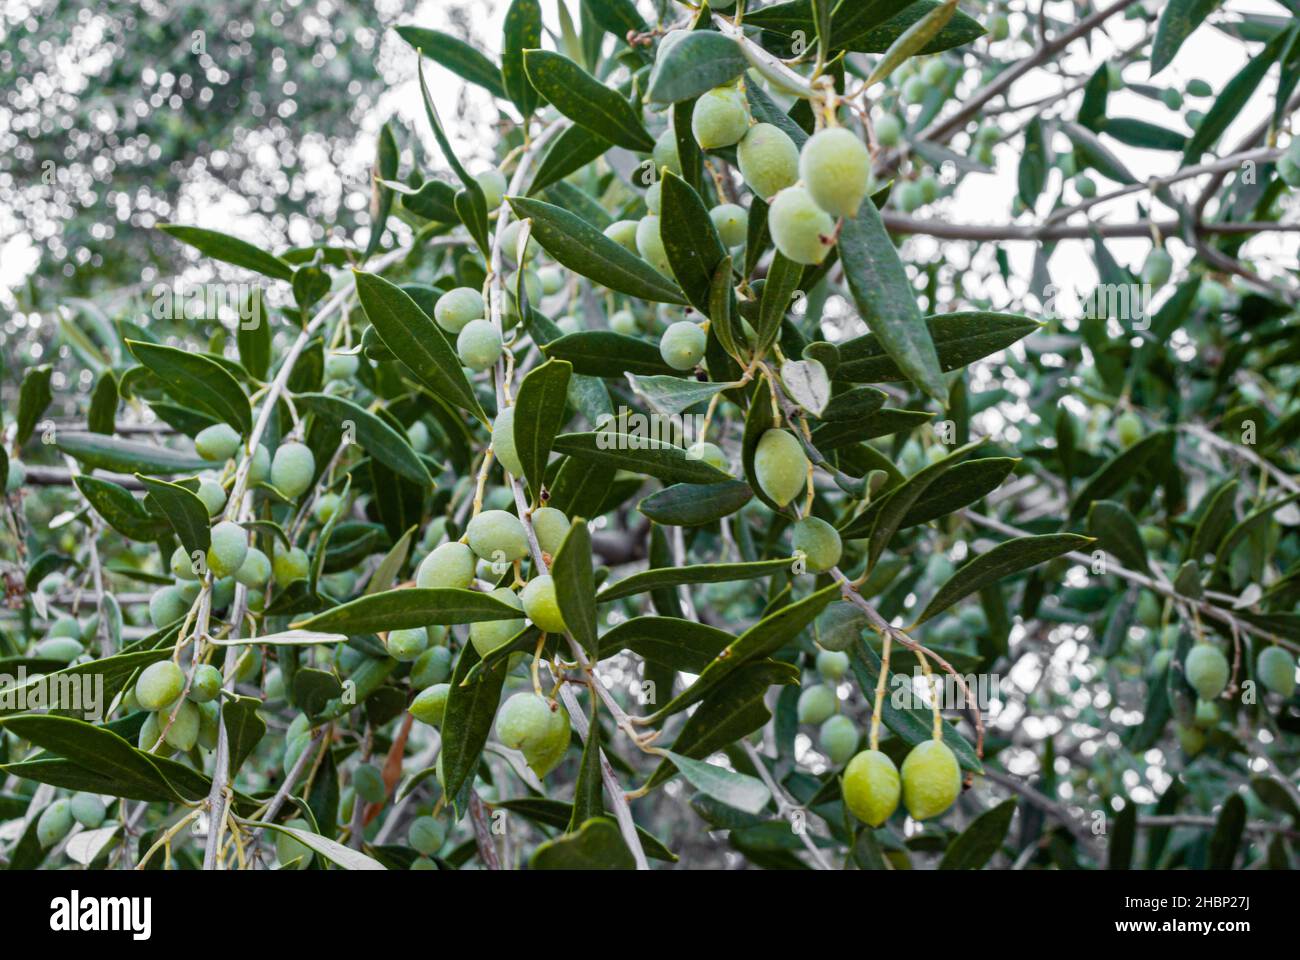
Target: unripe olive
pixel 999 26
pixel 1148 610
pixel 568 324
pixel 541 605
pixel 292 469
pixel 654 197
pixel 457 307
pixel 1172 98
pixel 64 649
pixel 551 527
pixel 832 665
pixel 871 787
pixel 817 704
pixel 217 442
pixel 710 453
pixel 1085 185
pixel 260 468
pixel 149 733
pixel 212 494
pixel 1199 88
pixel 935 71
pixel 288 565
pixel 1159 265
pixel 1154 538
pixel 206 683
pixel 650 244
pixel 487 635
pixel 888 129
pixel 838 738
pixel 623 232
pixel 780 466
pixel 255 570
pixel 54 823
pixel 369 783
pixel 495 535
pixel 208 722
pixel 289 851
pixel 720 118
pixel 326 506
pixel 931 779
pixel 800 229
pixel 406 644
pixel 1128 428
pixel 1207 670
pixel 493 184
pixel 1067 164
pixel 229 548
pixel 510 249
pixel 819 542
pixel 341 366
pixel 417 435
pixel 503 442
pixel 478 345
pixel 908 196
pixel 665 152
pixel 159 684
pixel 839 626
pixel 1276 671
pixel 914 90
pixel 1211 295
pixel 768 160
pixel 682 345
pixel 537 727
pixel 450 565
pixel 431 667
pixel 167 606
pixel 88 810
pixel 430 704
pixel 732 223
pixel 426 835
pixel 1190 739
pixel 551 279
pixel 624 322
pixel 1159 662
pixel 836 169
pixel 181 565
pixel 1207 714
pixel 184 730
pixel 423 863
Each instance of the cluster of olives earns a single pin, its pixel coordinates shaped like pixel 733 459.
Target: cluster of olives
pixel 180 723
pixel 56 820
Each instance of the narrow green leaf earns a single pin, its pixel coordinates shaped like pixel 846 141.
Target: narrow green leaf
pixel 977 844
pixel 779 289
pixel 886 300
pixel 184 511
pixel 408 608
pixel 692 62
pixel 467 718
pixel 603 353
pixel 913 40
pixel 417 341
pixel 1117 533
pixel 1002 561
pixel 457 56
pixel 230 250
pixel 958 487
pixel 695 504
pixel 245 728
pixel 641 454
pixel 523 31
pixel 1177 21
pixel 959 338
pixel 597 845
pixel 1225 841
pixel 370 432
pixel 197 381
pixel 33 397
pixel 658 578
pixel 905 496
pixel 586 101
pixel 739 790
pixel 539 415
pixel 670 642
pixel 582 248
pixel 120 510
pixel 691 241
pixel 1232 100
pixel 575 585
pixel 1116 472
pixel 102 415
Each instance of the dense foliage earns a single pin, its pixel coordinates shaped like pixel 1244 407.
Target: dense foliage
pixel 632 501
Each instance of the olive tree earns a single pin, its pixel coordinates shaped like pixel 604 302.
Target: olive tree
pixel 663 494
